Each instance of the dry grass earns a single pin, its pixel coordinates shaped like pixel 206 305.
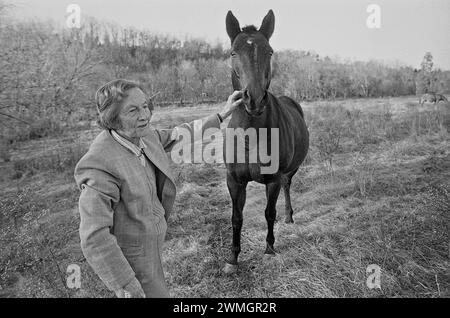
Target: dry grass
pixel 384 201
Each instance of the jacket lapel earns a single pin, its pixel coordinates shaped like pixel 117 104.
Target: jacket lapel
pixel 157 156
pixel 165 182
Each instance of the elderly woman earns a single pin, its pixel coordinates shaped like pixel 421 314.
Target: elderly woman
pixel 127 190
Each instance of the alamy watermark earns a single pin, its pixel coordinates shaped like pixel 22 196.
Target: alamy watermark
pixel 374 19
pixel 373 281
pixel 73 19
pixel 73 280
pixel 374 278
pixel 250 146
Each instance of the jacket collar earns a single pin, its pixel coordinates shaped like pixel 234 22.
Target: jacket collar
pixel 154 153
pixel 138 151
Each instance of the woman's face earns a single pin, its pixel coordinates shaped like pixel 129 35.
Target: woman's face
pixel 135 114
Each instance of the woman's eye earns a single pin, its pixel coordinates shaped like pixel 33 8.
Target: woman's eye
pixel 132 110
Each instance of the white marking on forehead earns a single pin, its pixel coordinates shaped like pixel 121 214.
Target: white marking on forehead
pixel 250 41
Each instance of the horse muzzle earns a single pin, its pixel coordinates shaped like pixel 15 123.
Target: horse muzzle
pixel 254 113
pixel 254 106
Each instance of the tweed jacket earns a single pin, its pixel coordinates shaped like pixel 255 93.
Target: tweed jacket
pixel 115 202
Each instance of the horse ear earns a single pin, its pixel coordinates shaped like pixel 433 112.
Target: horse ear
pixel 268 25
pixel 233 28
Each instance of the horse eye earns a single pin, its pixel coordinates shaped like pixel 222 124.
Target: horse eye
pixel 233 54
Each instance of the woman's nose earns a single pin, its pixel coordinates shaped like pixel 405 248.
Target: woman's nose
pixel 144 113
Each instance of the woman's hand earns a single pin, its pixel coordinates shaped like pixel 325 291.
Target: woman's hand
pixel 132 290
pixel 234 100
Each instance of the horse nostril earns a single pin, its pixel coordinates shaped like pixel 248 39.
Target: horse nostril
pixel 246 95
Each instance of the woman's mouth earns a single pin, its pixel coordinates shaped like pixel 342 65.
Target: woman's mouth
pixel 143 125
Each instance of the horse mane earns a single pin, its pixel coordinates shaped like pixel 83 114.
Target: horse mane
pixel 249 29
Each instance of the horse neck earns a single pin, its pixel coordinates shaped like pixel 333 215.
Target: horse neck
pixel 272 111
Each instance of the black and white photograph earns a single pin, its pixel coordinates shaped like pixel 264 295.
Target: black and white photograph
pixel 251 152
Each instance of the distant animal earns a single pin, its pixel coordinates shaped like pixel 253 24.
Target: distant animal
pixel 432 98
pixel 251 73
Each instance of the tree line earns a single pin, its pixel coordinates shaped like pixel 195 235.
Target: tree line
pixel 49 75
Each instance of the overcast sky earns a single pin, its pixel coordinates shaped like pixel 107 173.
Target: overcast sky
pixel 409 28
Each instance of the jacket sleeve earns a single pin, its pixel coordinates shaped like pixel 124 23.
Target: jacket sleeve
pixel 170 137
pixel 100 191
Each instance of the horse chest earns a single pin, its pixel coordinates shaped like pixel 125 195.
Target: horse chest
pixel 262 158
pixel 245 172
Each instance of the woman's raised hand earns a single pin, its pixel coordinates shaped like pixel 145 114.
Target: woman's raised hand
pixel 234 100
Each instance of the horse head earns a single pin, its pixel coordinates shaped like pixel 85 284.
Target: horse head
pixel 251 61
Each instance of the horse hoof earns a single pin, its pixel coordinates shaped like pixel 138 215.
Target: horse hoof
pixel 268 257
pixel 269 251
pixel 289 220
pixel 230 269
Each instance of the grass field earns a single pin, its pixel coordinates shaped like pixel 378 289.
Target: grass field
pixel 375 189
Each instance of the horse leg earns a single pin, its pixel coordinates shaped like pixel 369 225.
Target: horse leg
pixel 287 197
pixel 272 192
pixel 238 194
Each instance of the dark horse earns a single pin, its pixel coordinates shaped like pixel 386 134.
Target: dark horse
pixel 251 73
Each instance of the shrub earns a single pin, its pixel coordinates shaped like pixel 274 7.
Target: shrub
pixel 4 150
pixel 329 124
pixel 364 128
pixel 37 129
pixel 25 244
pixel 428 122
pixel 61 161
pixel 362 173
